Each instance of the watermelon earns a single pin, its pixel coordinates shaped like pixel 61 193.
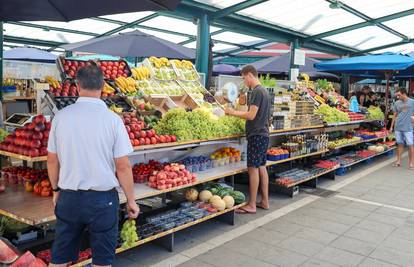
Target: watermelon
pixel 214 191
pixel 24 261
pixel 7 254
pixel 224 192
pixel 37 263
pixel 238 197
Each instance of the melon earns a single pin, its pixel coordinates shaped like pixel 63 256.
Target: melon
pixel 24 260
pixel 372 148
pixel 205 195
pixel 214 198
pixel 191 194
pixel 229 200
pixel 218 203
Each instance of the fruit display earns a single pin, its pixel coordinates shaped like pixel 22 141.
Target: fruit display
pixel 343 141
pixel 216 189
pixel 70 67
pixel 140 135
pixel 173 175
pixel 295 175
pixel 193 88
pixel 161 68
pixel 107 90
pixel 377 148
pixel 126 85
pixel 198 124
pixel 375 113
pixel 140 104
pixel 67 88
pixel 31 140
pixel 129 233
pixel 197 164
pixel 325 164
pixel 141 73
pixel 46 255
pixel 332 115
pixel 185 70
pixel 225 156
pixel 171 88
pixel 3 134
pixel 355 116
pixel 142 171
pixel 148 87
pixel 277 153
pixel 53 83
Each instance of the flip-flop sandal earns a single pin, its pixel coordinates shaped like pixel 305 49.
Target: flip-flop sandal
pixel 261 207
pixel 396 165
pixel 241 210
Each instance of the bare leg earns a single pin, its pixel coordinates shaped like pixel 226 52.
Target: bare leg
pixel 264 187
pixel 411 156
pixel 253 187
pixel 400 151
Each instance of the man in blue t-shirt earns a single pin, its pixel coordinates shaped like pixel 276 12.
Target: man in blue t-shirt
pixel 403 125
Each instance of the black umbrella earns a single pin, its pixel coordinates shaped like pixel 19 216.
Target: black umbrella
pixel 132 44
pixel 67 10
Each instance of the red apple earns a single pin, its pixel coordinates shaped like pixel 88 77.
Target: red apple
pixel 31 126
pixel 109 67
pixel 48 125
pixel 153 140
pixel 149 134
pixel 35 144
pixel 39 119
pixel 136 142
pixel 127 120
pixel 142 141
pixel 137 134
pixel 71 73
pixel 173 138
pixel 143 134
pixel 37 136
pixel 34 152
pixel 168 138
pixel 127 127
pixel 43 151
pixel 44 142
pixel 147 141
pixel 110 63
pixel 39 127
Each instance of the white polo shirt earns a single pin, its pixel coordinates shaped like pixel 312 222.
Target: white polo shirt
pixel 87 137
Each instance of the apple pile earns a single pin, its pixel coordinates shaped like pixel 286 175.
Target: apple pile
pixel 113 69
pixel 173 175
pixel 31 140
pixel 43 188
pixel 67 88
pixel 142 171
pixel 140 135
pixel 70 67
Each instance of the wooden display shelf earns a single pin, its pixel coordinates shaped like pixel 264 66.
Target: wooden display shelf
pixel 26 207
pixel 22 157
pixel 271 163
pixel 20 206
pixel 308 178
pixel 296 129
pixel 367 158
pixel 358 142
pixel 162 234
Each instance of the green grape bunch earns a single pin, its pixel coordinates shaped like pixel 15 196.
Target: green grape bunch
pixel 129 234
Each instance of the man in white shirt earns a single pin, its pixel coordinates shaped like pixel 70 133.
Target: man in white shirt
pixel 88 158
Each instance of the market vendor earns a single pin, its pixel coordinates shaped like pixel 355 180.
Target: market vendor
pixel 402 123
pixel 364 97
pixel 257 132
pixel 87 160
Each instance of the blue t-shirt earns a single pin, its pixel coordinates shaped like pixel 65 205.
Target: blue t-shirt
pixel 404 110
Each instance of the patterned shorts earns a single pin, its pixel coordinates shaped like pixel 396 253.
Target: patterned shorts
pixel 256 150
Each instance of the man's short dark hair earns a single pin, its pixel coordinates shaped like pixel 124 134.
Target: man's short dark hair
pixel 402 91
pixel 249 69
pixel 90 78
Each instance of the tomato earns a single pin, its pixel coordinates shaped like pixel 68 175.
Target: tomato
pixel 211 210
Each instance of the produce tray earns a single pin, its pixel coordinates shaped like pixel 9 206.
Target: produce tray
pixel 358 142
pixel 180 72
pixel 162 74
pixel 22 157
pixel 162 234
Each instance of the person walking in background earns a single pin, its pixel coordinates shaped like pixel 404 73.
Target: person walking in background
pixel 402 123
pixel 87 161
pixel 257 131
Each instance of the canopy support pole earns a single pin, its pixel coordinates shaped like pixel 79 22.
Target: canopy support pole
pixel 203 41
pixel 345 85
pixel 293 46
pixel 387 91
pixel 1 61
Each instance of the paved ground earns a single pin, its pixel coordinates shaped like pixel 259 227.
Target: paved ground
pixel 369 222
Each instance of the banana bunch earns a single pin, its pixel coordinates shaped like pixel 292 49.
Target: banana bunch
pixel 107 89
pixel 159 62
pixel 187 64
pixel 52 81
pixel 126 85
pixel 141 73
pixel 116 109
pixel 177 63
pixel 319 99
